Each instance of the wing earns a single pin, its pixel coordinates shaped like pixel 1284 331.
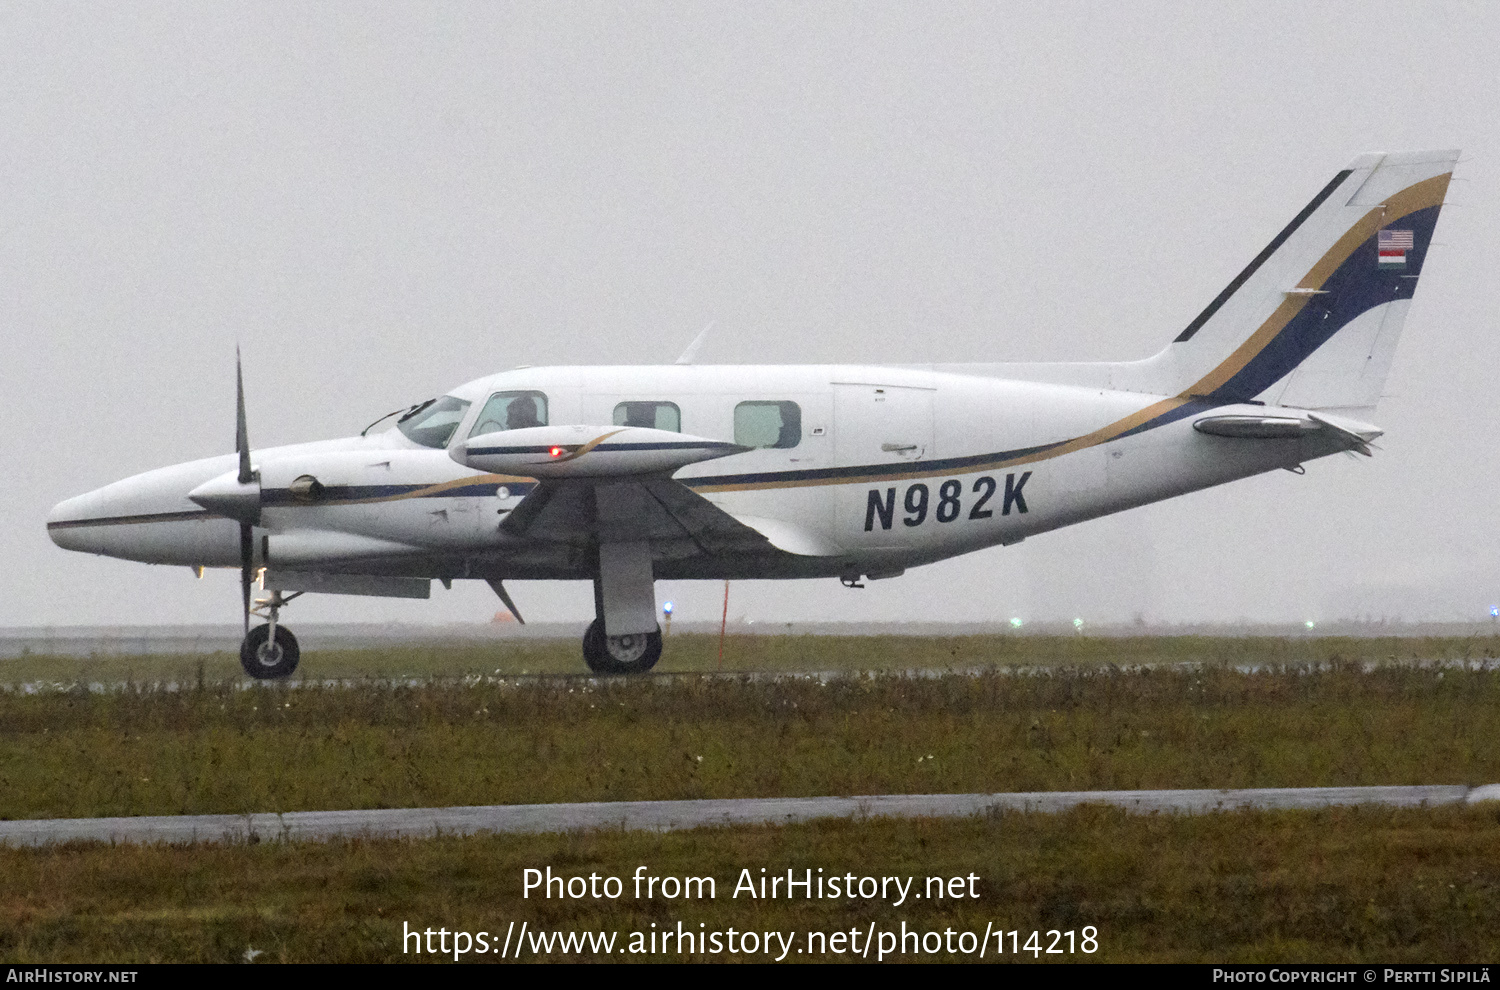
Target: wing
pixel 556 530
pixel 677 521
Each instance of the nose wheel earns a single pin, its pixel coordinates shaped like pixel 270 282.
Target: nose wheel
pixel 270 652
pixel 634 654
pixel 265 658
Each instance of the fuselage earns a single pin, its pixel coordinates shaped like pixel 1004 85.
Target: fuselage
pixel 854 471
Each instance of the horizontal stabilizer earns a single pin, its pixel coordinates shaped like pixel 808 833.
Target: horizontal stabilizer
pixel 1290 424
pixel 1256 427
pixel 1357 436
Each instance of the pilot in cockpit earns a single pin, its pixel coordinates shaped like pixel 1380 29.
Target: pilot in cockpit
pixel 521 413
pixel 639 414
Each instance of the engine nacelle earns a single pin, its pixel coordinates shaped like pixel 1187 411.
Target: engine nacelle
pixel 587 451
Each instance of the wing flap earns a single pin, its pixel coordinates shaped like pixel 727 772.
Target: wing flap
pixel 331 583
pixel 673 518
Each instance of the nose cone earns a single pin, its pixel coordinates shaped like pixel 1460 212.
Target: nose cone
pixel 67 523
pixel 148 518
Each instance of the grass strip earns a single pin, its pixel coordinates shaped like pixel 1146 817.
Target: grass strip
pixel 221 749
pixel 1341 885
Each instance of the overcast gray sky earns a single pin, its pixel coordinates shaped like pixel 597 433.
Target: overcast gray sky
pixel 380 201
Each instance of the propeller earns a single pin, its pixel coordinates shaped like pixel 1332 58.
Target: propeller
pixel 246 476
pixel 236 494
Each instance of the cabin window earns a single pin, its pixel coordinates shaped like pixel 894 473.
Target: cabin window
pixel 511 411
pixel 768 424
pixel 432 423
pixel 652 415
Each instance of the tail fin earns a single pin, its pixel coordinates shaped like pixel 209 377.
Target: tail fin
pixel 1313 320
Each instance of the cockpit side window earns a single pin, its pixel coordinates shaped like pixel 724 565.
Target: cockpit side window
pixel 653 415
pixel 768 424
pixel 511 411
pixel 432 423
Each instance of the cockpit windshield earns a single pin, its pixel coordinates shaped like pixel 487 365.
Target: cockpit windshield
pixel 432 423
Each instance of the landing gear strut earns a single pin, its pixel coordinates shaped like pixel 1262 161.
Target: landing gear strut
pixel 624 637
pixel 632 654
pixel 270 652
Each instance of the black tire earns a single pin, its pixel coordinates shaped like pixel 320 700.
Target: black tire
pixel 594 653
pixel 266 661
pixel 620 654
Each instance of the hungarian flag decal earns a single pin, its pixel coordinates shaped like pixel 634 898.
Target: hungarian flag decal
pixel 1392 245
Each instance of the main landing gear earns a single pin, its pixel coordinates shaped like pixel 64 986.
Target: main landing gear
pixel 635 653
pixel 270 652
pixel 624 637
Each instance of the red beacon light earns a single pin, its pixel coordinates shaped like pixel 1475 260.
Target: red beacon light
pixel 556 451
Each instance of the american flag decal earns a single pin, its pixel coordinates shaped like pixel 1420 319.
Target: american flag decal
pixel 1392 245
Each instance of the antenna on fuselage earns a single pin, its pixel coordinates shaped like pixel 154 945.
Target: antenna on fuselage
pixel 692 349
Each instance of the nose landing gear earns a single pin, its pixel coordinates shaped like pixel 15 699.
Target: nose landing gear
pixel 270 652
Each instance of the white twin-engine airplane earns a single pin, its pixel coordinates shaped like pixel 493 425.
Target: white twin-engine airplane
pixel 625 475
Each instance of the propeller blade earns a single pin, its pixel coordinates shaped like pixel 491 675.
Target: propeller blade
pixel 247 569
pixel 241 430
pixel 242 447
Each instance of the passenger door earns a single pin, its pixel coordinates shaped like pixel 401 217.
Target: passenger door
pixel 878 426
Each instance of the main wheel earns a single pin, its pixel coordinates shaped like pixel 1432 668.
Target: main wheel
pixel 633 654
pixel 265 660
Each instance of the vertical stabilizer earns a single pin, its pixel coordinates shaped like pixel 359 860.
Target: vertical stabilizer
pixel 1313 320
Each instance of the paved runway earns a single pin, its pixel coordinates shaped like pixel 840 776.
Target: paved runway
pixel 667 815
pixel 87 641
